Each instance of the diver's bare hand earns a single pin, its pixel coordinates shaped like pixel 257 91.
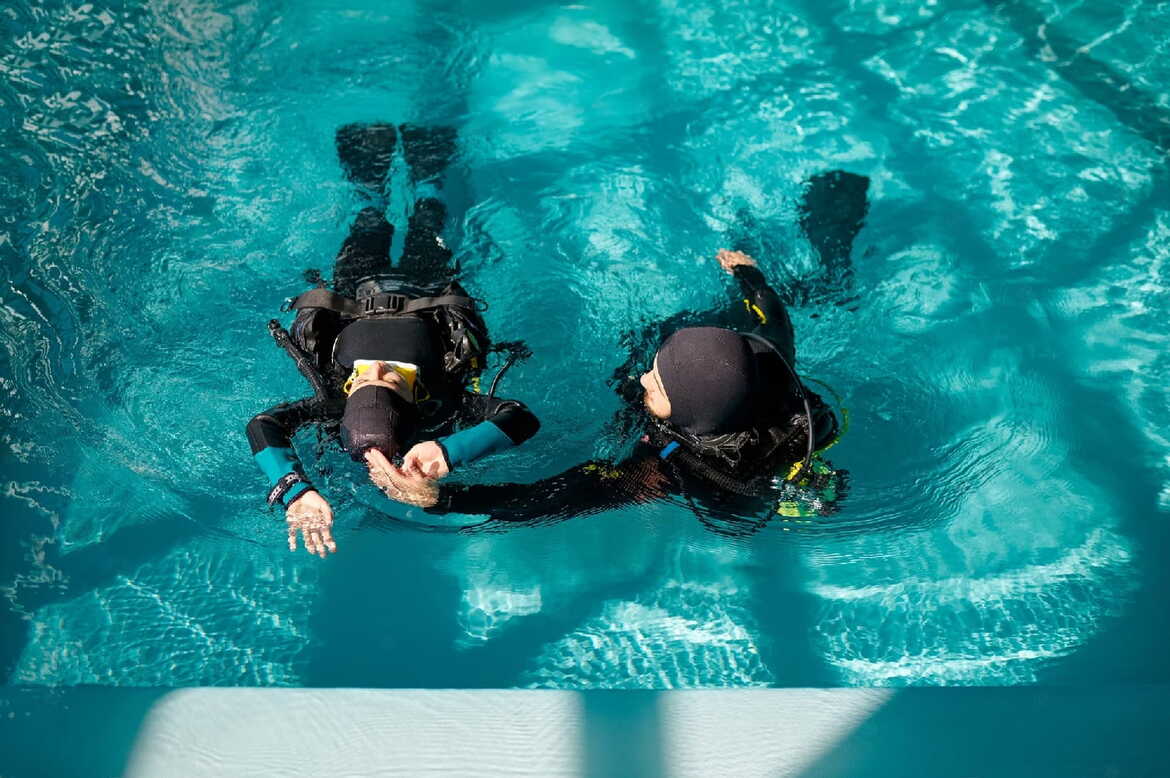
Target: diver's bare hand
pixel 312 517
pixel 426 459
pixel 729 260
pixel 377 462
pixel 401 486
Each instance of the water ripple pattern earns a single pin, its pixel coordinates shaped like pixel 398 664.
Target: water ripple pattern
pixel 170 178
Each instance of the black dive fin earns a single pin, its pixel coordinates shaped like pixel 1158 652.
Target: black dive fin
pixel 365 151
pixel 428 150
pixel 832 212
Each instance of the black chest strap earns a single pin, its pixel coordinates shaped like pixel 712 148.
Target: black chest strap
pixel 386 303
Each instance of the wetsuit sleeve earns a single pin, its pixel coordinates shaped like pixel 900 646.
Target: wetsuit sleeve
pixel 501 424
pixel 583 490
pixel 270 436
pixel 765 307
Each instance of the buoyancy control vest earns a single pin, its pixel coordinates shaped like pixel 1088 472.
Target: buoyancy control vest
pixel 322 314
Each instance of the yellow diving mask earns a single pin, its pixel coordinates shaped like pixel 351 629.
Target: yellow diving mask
pixel 408 371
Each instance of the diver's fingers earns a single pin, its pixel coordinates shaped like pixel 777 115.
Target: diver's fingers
pixel 310 535
pixel 292 537
pixel 410 480
pixel 320 538
pixel 327 536
pixel 376 459
pixel 386 482
pixel 421 466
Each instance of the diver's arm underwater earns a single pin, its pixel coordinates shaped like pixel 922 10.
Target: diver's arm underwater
pixel 583 490
pixel 770 314
pixel 270 436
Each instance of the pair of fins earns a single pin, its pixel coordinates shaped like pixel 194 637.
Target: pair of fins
pixel 832 210
pixel 366 151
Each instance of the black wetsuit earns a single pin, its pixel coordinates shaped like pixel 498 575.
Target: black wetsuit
pixel 657 469
pixel 362 265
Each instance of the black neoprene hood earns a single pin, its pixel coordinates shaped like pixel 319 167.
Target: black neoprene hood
pixel 376 417
pixel 708 374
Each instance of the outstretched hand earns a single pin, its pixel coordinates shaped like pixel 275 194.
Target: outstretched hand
pixel 312 517
pixel 409 488
pixel 729 260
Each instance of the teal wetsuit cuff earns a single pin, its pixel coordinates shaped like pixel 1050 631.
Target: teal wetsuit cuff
pixel 276 463
pixel 446 455
pixel 283 470
pixel 470 444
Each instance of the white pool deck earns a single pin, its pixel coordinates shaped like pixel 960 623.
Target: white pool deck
pixel 1106 732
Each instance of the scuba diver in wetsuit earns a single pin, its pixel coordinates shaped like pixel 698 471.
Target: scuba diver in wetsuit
pixel 389 350
pixel 726 415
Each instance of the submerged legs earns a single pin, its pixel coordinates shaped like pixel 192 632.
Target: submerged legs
pixel 365 152
pixel 365 251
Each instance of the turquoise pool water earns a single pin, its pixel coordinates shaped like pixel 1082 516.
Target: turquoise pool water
pixel 169 175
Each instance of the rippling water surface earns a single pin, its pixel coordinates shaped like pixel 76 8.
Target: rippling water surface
pixel 169 176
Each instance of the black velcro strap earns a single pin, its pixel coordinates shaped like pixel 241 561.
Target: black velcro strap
pixel 281 487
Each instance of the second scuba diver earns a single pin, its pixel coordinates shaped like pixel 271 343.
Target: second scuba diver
pixel 389 350
pixel 727 418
